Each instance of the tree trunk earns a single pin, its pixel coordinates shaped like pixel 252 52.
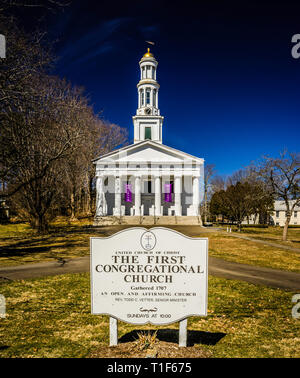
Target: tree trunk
pixel 41 225
pixel 239 226
pixel 72 205
pixel 88 196
pixel 285 228
pixel 205 206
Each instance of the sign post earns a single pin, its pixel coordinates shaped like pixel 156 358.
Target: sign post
pixel 156 276
pixel 113 331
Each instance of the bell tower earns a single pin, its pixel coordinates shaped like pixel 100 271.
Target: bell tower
pixel 148 122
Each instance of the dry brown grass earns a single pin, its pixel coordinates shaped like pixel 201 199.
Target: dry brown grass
pixel 19 245
pixel 162 349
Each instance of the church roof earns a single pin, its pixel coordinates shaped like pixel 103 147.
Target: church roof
pixel 280 205
pixel 150 143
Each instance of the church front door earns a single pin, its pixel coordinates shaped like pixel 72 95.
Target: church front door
pixel 147 201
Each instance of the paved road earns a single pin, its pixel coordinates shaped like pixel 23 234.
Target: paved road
pixel 217 267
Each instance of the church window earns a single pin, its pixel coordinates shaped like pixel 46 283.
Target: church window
pixel 154 97
pixel 143 100
pixel 147 132
pixel 147 96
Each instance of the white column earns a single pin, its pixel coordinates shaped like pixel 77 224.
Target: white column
pixel 177 191
pixel 196 194
pixel 137 195
pixel 100 199
pixel 117 208
pixel 157 187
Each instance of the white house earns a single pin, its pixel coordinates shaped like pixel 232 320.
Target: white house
pixel 148 181
pixel 279 215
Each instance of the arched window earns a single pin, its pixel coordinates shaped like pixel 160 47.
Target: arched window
pixel 142 98
pixel 147 96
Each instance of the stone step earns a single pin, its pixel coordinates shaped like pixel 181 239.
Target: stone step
pixel 147 220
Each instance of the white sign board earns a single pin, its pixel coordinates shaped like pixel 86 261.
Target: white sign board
pixel 156 276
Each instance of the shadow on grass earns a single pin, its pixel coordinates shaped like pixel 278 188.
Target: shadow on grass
pixel 28 247
pixel 89 229
pixel 48 244
pixel 171 336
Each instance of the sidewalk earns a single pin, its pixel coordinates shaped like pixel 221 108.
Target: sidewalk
pixel 277 245
pixel 237 235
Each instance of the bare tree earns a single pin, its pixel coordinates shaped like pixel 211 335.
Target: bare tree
pixel 242 175
pixel 282 177
pixel 50 5
pixel 49 134
pixel 242 195
pixel 55 129
pixel 218 183
pixel 100 137
pixel 20 74
pixel 208 173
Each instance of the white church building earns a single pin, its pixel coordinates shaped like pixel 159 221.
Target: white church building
pixel 148 182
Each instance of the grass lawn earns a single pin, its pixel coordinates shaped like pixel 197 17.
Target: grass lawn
pixel 248 252
pixel 19 244
pixel 50 317
pixel 271 234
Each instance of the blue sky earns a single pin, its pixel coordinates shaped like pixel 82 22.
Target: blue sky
pixel 229 85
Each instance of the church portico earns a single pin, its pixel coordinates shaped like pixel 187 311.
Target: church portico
pixel 148 181
pixel 147 195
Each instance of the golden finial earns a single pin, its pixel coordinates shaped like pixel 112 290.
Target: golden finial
pixel 148 54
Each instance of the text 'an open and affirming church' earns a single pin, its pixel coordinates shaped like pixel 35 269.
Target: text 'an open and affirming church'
pixel 148 182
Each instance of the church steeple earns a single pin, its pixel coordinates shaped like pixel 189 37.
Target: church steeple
pixel 148 122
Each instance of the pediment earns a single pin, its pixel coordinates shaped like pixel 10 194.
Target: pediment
pixel 148 151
